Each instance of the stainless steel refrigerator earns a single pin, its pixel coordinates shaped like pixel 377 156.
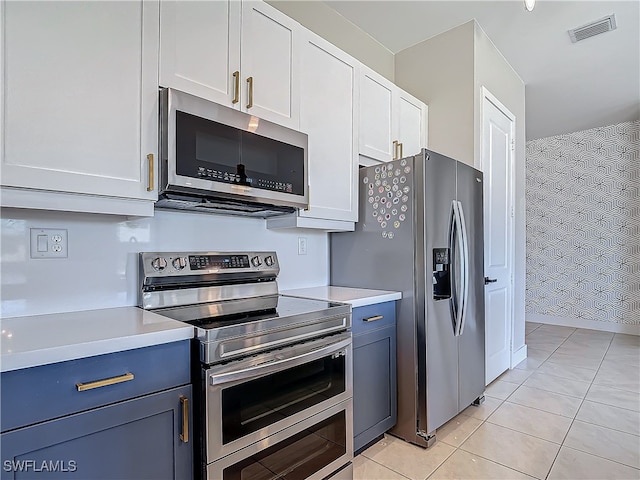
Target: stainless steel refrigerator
pixel 420 232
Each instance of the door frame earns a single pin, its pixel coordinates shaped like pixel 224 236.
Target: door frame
pixel 487 96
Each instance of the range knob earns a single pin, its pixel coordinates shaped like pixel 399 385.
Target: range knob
pixel 255 261
pixel 159 264
pixel 269 260
pixel 179 263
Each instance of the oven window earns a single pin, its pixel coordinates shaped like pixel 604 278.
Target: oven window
pixel 297 457
pixel 255 404
pixel 213 151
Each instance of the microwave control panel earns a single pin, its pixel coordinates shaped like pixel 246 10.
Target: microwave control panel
pixel 240 178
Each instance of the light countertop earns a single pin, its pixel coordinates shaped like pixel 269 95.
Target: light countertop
pixel 357 297
pixel 43 339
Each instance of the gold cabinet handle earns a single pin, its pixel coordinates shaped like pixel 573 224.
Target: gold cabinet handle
pixel 184 436
pixel 250 98
pixel 236 87
pixel 150 187
pixel 373 319
pixel 401 154
pixel 103 383
pixel 395 150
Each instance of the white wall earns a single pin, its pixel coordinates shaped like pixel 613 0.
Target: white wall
pixel 493 72
pixel 101 270
pixel 333 27
pixel 439 71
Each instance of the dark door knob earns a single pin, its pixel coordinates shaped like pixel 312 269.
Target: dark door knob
pixel 488 280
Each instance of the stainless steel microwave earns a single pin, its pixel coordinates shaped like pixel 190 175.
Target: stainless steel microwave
pixel 217 159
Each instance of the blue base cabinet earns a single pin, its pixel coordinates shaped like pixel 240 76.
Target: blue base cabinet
pixel 134 439
pixel 374 372
pixel 125 416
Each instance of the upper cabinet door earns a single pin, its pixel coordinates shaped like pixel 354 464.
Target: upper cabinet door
pixel 80 100
pixel 376 99
pixel 270 64
pixel 328 113
pixel 411 125
pixel 393 124
pixel 200 49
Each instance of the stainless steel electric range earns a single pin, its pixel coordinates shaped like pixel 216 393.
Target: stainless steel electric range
pixel 273 374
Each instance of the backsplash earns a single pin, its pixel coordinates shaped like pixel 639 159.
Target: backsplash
pixel 101 270
pixel 583 225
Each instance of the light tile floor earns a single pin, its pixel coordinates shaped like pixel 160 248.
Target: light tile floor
pixel 571 410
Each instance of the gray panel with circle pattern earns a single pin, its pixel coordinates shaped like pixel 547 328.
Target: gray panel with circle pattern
pixel 388 190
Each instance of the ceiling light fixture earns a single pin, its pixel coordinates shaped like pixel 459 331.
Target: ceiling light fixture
pixel 529 4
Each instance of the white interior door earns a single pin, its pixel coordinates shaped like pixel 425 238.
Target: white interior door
pixel 497 164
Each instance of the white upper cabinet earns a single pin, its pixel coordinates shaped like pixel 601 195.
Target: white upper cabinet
pixel 270 64
pixel 393 124
pixel 376 112
pixel 240 54
pixel 200 48
pixel 410 126
pixel 329 92
pixel 79 105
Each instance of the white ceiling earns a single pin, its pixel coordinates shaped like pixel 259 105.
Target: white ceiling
pixel 569 87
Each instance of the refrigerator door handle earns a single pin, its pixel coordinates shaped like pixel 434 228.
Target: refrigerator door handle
pixel 465 268
pixel 456 236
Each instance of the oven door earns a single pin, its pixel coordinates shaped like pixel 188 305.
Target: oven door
pixel 247 400
pixel 311 449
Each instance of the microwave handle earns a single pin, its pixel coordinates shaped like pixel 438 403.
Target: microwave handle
pixel 278 364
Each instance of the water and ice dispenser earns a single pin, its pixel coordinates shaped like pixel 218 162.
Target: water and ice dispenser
pixel 441 273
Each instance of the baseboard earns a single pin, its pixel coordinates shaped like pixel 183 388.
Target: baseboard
pixel 581 323
pixel 518 356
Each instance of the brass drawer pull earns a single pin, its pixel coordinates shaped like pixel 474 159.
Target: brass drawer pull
pixel 373 319
pixel 184 436
pixel 395 150
pixel 103 383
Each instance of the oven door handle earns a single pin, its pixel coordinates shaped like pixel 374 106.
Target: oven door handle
pixel 278 364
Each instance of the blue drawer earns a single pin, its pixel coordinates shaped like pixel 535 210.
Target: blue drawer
pixel 365 319
pixel 35 394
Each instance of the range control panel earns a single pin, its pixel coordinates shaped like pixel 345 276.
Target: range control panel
pixel 176 264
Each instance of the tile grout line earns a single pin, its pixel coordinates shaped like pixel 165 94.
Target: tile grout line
pixel 579 407
pixel 502 401
pixel 388 468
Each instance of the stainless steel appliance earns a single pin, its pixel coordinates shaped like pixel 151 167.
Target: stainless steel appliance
pixel 274 372
pixel 215 158
pixel 420 232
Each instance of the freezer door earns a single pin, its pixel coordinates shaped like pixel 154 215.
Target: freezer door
pixel 471 354
pixel 438 358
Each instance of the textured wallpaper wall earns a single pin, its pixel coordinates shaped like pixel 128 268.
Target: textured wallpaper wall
pixel 583 225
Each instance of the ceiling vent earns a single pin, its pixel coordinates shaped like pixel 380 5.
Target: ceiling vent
pixel 603 25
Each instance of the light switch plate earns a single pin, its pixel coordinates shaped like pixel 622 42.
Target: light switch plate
pixel 49 243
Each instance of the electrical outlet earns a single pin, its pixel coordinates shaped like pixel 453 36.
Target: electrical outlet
pixel 48 243
pixel 302 245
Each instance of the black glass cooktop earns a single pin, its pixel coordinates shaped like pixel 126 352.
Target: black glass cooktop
pixel 234 312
